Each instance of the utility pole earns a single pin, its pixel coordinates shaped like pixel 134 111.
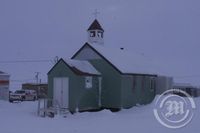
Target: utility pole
pixel 37 83
pixel 37 77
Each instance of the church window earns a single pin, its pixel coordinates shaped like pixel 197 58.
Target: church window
pixel 100 34
pixel 92 34
pixel 88 82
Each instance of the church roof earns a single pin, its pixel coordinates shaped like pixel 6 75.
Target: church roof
pixel 78 67
pixel 95 26
pixel 83 66
pixel 123 61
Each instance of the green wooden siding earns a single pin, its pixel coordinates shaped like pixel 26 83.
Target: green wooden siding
pixel 130 95
pixel 136 90
pixel 79 96
pixel 118 90
pixel 111 84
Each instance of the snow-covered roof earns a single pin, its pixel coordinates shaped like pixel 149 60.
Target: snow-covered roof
pixel 83 66
pixel 125 61
pixel 28 83
pixel 182 84
pixel 78 66
pixel 3 73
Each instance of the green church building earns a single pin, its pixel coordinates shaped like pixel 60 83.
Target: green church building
pixel 98 76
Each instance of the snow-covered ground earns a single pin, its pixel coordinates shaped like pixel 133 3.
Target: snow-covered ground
pixel 22 118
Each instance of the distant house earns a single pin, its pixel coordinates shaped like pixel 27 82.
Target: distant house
pixel 40 88
pixel 188 88
pixel 4 85
pixel 123 80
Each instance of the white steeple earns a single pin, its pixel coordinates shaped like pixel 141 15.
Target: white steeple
pixel 95 33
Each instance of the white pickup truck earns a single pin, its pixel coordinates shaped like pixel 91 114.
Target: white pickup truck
pixel 23 95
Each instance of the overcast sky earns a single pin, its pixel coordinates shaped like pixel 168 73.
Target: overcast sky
pixel 167 31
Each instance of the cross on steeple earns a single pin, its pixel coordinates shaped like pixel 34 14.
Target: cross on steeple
pixel 96 13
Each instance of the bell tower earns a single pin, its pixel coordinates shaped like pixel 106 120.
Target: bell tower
pixel 95 33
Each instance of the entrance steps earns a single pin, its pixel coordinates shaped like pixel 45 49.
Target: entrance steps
pixel 49 107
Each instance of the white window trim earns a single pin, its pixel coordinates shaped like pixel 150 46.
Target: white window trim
pixel 88 82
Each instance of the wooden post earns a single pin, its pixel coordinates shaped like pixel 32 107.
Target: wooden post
pixel 38 111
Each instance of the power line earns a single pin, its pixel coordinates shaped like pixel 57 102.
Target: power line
pixel 26 61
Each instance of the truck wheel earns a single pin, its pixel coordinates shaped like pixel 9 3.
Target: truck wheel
pixel 23 99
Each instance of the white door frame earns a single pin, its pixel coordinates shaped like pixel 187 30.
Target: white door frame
pixel 61 91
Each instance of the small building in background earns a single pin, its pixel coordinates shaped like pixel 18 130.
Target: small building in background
pixel 188 88
pixel 40 88
pixel 4 85
pixel 163 83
